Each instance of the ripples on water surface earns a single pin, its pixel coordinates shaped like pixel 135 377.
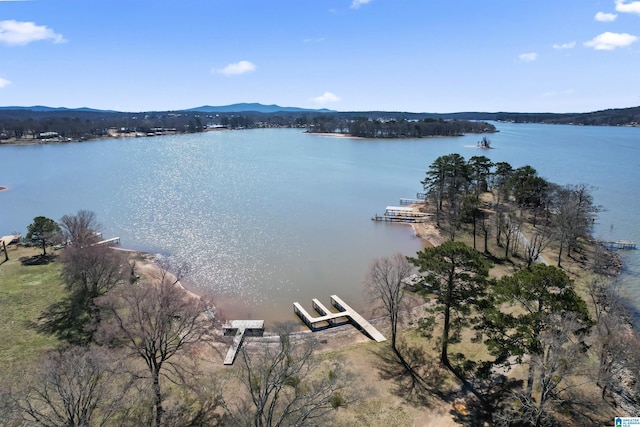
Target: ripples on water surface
pixel 269 217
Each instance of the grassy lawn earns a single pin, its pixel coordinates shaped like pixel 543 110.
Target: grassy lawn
pixel 25 291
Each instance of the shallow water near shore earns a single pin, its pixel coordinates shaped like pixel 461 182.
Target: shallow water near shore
pixel 272 216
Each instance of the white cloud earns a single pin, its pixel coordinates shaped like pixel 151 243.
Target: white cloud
pixel 605 17
pixel 528 57
pixel 569 45
pixel 22 33
pixel 241 67
pixel 326 98
pixel 633 7
pixel 4 82
pixel 355 4
pixel 610 41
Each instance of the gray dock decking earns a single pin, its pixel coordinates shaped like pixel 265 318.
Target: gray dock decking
pixel 329 319
pixel 621 244
pixel 240 328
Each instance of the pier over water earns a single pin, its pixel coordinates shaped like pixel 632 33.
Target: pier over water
pixel 328 319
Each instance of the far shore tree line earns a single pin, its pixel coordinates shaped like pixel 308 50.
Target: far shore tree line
pixel 527 348
pixel 83 124
pixel 364 127
pixel 86 125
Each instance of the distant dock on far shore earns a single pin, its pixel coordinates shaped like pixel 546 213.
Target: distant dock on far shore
pixel 620 244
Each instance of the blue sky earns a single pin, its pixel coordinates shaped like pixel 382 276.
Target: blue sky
pixel 395 55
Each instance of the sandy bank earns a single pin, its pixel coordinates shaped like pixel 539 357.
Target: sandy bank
pixel 426 231
pixel 333 135
pixel 146 265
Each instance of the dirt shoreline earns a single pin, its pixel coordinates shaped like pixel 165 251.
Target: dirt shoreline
pixel 334 135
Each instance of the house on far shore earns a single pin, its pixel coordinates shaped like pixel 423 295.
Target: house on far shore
pixel 48 135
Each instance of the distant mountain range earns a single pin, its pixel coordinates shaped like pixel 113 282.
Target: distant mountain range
pixel 233 108
pixel 44 109
pixel 256 108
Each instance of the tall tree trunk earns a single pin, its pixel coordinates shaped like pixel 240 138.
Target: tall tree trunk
pixel 394 330
pixel 506 247
pixel 486 245
pixel 474 229
pixel 560 253
pixel 536 337
pixel 530 377
pixel 444 356
pixel 157 397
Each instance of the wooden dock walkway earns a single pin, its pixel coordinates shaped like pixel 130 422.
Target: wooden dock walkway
pixel 111 241
pixel 621 244
pixel 240 328
pixel 328 319
pixel 397 218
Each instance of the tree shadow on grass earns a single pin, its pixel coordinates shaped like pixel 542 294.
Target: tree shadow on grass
pixel 585 410
pixel 416 380
pixel 422 382
pixel 68 320
pixel 38 260
pixel 494 388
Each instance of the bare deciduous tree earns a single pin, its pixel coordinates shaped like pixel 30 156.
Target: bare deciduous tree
pixel 80 229
pixel 510 230
pixel 534 246
pixel 560 365
pixel 485 227
pixel 385 284
pixel 573 215
pixel 616 345
pixel 288 386
pixel 76 387
pixel 88 273
pixel 155 322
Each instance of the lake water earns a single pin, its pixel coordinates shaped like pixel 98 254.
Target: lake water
pixel 272 216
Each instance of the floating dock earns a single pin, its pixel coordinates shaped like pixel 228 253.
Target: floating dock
pixel 240 328
pixel 108 242
pixel 397 218
pixel 328 319
pixel 621 244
